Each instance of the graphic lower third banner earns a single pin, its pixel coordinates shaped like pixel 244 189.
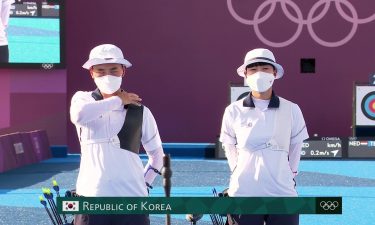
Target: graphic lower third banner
pixel 199 205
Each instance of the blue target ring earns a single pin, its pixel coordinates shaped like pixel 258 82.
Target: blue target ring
pixel 368 105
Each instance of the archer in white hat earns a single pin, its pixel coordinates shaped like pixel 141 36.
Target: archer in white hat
pixel 106 53
pixel 262 136
pixel 111 126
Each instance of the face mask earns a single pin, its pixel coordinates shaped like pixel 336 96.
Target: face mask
pixel 108 84
pixel 260 81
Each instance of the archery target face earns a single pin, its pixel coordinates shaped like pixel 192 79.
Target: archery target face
pixel 365 105
pixel 368 105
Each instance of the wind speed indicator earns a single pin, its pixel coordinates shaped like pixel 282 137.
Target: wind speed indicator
pixel 324 147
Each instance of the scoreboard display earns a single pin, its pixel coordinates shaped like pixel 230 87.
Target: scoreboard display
pixel 36 34
pixel 323 147
pixel 360 147
pixel 35 9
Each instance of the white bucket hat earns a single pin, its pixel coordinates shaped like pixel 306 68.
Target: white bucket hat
pixel 106 53
pixel 260 55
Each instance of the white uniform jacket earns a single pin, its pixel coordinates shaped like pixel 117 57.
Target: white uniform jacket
pixel 106 169
pixel 262 140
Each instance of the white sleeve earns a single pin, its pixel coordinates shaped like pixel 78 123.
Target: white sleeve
pixel 154 165
pixel 83 109
pixel 299 130
pixel 150 133
pixel 153 146
pixel 231 153
pixel 227 134
pixel 299 134
pixel 295 157
pixel 5 11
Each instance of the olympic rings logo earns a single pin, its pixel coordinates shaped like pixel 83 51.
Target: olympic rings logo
pixel 329 205
pixel 300 21
pixel 47 66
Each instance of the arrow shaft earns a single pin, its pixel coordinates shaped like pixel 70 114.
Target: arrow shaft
pixel 50 216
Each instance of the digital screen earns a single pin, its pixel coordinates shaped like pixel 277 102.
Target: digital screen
pixel 360 147
pixel 35 34
pixel 324 147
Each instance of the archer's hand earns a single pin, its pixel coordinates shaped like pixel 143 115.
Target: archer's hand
pixel 129 98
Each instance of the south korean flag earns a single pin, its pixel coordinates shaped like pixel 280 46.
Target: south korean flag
pixel 70 206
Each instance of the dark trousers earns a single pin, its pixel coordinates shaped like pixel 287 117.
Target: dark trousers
pixel 4 54
pixel 266 219
pixel 139 219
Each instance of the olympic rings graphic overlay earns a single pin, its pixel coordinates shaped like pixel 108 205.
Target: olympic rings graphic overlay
pixel 300 21
pixel 329 205
pixel 368 105
pixel 47 66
